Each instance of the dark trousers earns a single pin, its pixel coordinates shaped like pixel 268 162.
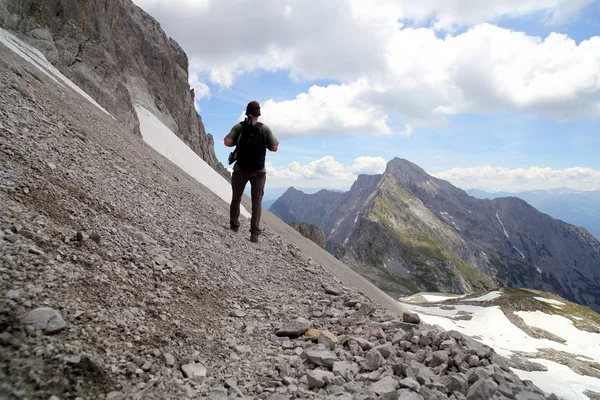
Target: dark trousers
pixel 239 179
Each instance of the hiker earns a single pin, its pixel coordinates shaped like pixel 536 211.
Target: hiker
pixel 251 139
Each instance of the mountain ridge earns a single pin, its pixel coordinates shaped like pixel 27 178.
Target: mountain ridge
pixel 505 238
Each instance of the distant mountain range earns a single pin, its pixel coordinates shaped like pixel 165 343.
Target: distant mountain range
pixel 408 232
pixel 581 208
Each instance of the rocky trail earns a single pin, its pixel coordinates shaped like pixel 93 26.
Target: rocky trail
pixel 119 280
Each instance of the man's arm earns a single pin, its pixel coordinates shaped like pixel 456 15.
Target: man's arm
pixel 232 136
pixel 272 142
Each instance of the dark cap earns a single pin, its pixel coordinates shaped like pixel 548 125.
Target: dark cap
pixel 253 109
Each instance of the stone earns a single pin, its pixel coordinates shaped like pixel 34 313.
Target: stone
pixel 332 291
pixel 168 359
pixel 410 383
pixel 293 329
pixel 345 369
pixel 458 383
pixel 373 360
pixel 386 350
pixel 385 386
pixel 482 390
pixel 48 320
pixel 243 349
pixel 194 371
pixel 399 335
pixel 320 356
pixel 318 378
pixel 317 333
pixel 439 357
pixel 473 361
pixel 411 318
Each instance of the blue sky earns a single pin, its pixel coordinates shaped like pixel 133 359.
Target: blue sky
pixel 498 97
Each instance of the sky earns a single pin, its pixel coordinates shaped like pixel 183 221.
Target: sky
pixel 500 96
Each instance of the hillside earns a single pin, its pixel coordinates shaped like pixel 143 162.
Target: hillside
pixel 120 280
pixel 573 206
pixel 408 232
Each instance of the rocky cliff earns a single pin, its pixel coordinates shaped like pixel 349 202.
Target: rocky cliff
pixel 410 232
pixel 311 232
pixel 120 56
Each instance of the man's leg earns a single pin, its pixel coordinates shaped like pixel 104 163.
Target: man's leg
pixel 257 183
pixel 238 184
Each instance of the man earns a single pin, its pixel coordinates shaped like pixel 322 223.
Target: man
pixel 252 138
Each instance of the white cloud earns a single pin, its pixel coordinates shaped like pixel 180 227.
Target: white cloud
pixel 369 165
pixel 519 179
pixel 385 71
pixel 325 172
pixel 201 89
pixel 447 14
pixel 327 110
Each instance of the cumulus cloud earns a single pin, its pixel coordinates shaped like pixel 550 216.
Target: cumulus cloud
pixel 368 165
pixel 385 71
pixel 519 179
pixel 324 172
pixel 448 14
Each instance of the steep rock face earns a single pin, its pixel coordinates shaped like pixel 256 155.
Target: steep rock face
pixel 311 232
pixel 411 232
pixel 120 56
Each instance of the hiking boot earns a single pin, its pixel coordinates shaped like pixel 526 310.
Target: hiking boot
pixel 234 228
pixel 254 238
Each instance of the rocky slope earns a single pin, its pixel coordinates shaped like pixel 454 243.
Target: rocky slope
pixel 119 279
pixel 120 56
pixel 411 232
pixel 543 335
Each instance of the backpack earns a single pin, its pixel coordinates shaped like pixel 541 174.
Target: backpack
pixel 251 147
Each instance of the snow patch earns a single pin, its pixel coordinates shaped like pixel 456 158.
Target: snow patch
pixel 164 141
pixel 486 297
pixel 38 60
pixel 517 250
pixel 502 223
pixel 550 301
pixel 491 325
pixel 538 269
pixel 560 380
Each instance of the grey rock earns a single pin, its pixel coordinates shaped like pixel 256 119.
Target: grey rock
pixel 195 371
pixel 411 318
pixel 386 350
pixel 410 383
pixel 320 356
pixel 439 357
pixel 345 369
pixel 293 329
pixel 48 320
pixel 483 389
pixel 168 359
pixel 384 386
pixel 458 383
pixel 373 360
pixel 318 378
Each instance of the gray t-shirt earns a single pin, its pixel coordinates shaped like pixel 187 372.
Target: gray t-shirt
pixel 237 129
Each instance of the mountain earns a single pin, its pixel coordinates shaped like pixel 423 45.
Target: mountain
pixel 408 232
pixel 576 207
pixel 121 280
pixel 120 56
